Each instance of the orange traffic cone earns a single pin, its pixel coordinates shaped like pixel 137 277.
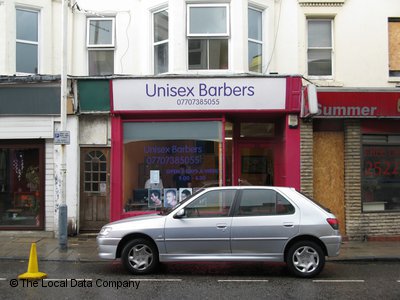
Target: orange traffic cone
pixel 33 267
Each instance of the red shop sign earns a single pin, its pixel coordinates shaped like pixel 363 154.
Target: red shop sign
pixel 358 104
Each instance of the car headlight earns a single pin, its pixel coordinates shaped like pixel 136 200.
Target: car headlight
pixel 105 231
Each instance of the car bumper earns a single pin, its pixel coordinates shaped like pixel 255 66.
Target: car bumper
pixel 107 247
pixel 332 244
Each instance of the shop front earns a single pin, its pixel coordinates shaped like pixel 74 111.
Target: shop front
pixel 26 130
pixel 364 125
pixel 172 136
pixel 21 184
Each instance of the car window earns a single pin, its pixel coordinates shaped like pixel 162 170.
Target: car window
pixel 283 206
pixel 211 204
pixel 263 202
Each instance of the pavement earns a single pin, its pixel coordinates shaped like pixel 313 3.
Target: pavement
pixel 83 248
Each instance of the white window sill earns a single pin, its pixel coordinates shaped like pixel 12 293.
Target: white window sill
pixel 325 82
pixel 394 79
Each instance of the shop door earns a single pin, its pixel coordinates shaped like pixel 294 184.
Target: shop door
pixel 94 195
pixel 255 164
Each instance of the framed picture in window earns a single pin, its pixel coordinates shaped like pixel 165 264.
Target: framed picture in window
pixel 184 193
pixel 154 198
pixel 170 197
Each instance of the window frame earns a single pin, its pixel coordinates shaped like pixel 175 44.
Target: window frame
pixel 331 48
pixel 393 75
pixel 155 44
pixel 206 55
pixel 191 35
pixel 88 45
pixel 100 173
pixel 100 47
pixel 207 37
pixel 259 42
pixel 28 42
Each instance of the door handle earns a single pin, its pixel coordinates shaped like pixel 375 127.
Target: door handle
pixel 221 226
pixel 288 224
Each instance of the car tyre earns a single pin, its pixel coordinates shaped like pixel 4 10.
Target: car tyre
pixel 140 256
pixel 305 259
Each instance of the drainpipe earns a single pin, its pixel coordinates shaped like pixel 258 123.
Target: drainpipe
pixel 62 212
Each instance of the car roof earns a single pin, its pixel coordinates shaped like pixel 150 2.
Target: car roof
pixel 241 187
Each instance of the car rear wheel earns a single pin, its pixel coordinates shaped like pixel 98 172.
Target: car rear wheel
pixel 305 259
pixel 140 256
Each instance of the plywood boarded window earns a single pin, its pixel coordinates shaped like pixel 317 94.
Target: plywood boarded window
pixel 329 172
pixel 394 47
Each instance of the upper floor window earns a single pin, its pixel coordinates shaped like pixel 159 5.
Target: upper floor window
pixel 394 47
pixel 27 42
pixel 255 40
pixel 320 47
pixel 160 41
pixel 100 43
pixel 208 33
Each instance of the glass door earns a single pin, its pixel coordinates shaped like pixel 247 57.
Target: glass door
pixel 255 164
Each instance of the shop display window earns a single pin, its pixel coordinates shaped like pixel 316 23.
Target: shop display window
pixel 165 162
pixel 21 192
pixel 381 174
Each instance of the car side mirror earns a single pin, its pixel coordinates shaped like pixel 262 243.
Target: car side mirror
pixel 180 214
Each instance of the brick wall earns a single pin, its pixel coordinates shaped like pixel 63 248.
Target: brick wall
pixel 306 157
pixel 352 179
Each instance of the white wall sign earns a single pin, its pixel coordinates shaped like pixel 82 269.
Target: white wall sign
pixel 154 176
pixel 62 138
pixel 190 94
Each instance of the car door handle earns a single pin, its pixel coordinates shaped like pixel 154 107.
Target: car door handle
pixel 288 224
pixel 221 226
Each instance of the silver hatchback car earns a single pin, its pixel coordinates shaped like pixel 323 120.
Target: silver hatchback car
pixel 243 223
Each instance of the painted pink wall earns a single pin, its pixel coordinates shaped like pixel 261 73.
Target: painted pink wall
pixel 116 168
pixel 291 152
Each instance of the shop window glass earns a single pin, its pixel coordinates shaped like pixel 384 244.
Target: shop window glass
pixel 320 47
pixel 255 41
pixel 261 130
pixel 228 153
pixel 27 43
pixel 169 157
pixel 21 187
pixel 380 175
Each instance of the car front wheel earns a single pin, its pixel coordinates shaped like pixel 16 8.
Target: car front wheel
pixel 305 259
pixel 140 256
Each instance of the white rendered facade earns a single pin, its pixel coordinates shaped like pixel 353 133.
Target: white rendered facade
pixel 360 51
